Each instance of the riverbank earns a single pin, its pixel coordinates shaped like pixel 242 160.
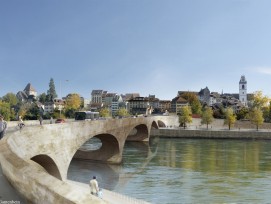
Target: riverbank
pixel 212 133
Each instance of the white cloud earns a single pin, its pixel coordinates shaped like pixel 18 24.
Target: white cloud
pixel 262 70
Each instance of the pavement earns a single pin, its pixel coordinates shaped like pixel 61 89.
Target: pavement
pixel 109 196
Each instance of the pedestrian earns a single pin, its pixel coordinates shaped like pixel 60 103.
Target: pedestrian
pixel 51 120
pixel 20 122
pixel 3 127
pixel 94 188
pixel 40 119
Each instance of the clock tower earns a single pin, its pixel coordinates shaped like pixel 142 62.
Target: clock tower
pixel 243 90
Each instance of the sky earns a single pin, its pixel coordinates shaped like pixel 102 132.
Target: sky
pixel 155 47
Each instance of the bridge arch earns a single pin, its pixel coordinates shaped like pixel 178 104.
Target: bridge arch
pixel 161 123
pixel 139 133
pixel 48 164
pixel 154 125
pixel 108 150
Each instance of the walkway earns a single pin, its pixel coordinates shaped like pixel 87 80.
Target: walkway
pixel 110 196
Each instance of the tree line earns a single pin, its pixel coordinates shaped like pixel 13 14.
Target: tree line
pixel 258 111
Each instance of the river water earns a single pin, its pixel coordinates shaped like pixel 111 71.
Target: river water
pixel 176 171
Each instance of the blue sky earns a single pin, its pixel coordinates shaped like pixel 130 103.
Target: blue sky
pixel 145 46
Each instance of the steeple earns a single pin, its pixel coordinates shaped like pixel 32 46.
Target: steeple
pixel 243 90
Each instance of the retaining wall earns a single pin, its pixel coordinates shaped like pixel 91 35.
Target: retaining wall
pixel 215 134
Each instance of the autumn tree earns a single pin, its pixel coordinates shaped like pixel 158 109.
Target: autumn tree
pixel 207 116
pixel 230 117
pixel 256 117
pixel 185 116
pixel 104 112
pixel 122 112
pixel 259 100
pixel 193 102
pixel 73 103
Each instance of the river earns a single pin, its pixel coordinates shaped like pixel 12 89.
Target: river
pixel 175 171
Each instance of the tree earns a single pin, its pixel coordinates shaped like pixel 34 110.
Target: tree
pixel 185 115
pixel 207 116
pixel 258 100
pixel 230 118
pixel 193 102
pixel 256 117
pixel 32 112
pixel 73 101
pixel 243 113
pixel 122 112
pixel 104 112
pixel 51 93
pixel 5 110
pixel 42 98
pixel 11 99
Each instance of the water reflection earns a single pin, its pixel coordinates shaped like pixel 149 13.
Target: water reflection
pixel 174 171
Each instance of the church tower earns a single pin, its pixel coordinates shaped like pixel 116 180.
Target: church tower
pixel 243 90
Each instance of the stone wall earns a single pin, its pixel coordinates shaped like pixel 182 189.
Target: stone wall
pixel 215 134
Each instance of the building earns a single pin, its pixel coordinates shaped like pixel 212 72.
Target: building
pixel 204 96
pixel 177 103
pixel 97 96
pixel 138 105
pixel 29 94
pixel 116 104
pixel 164 105
pixel 243 90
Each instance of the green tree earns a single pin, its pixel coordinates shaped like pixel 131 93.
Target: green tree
pixel 230 118
pixel 256 117
pixel 242 114
pixel 122 112
pixel 5 110
pixel 11 99
pixel 104 112
pixel 51 93
pixel 42 98
pixel 185 116
pixel 32 112
pixel 207 116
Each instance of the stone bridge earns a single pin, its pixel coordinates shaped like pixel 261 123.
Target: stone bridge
pixel 36 159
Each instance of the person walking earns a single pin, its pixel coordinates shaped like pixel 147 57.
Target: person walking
pixel 20 122
pixel 40 119
pixel 94 188
pixel 51 120
pixel 3 127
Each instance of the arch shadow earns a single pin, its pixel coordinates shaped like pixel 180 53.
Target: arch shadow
pixel 48 164
pixel 154 125
pixel 138 133
pixel 161 124
pixel 108 152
